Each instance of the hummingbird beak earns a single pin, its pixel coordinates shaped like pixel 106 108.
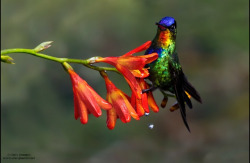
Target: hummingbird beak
pixel 161 27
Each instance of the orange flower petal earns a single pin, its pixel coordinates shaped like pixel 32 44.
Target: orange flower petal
pixel 129 77
pixel 144 46
pixel 133 100
pixel 100 101
pixel 150 57
pixel 86 100
pixel 145 102
pixel 139 108
pixel 89 100
pixel 120 106
pixel 132 63
pixel 83 113
pixel 137 104
pixel 111 118
pixel 131 110
pixel 80 109
pixel 143 73
pixel 152 103
pixel 109 60
pixel 150 98
pixel 76 104
pixel 120 103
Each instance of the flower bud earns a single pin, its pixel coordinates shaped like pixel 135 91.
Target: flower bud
pixel 43 46
pixel 7 59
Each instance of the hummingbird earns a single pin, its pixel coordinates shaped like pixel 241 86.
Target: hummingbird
pixel 166 72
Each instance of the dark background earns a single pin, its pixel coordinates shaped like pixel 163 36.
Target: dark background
pixel 37 115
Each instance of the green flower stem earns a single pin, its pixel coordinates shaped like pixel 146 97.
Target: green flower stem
pixel 85 62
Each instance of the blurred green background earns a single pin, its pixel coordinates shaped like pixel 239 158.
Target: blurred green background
pixel 37 115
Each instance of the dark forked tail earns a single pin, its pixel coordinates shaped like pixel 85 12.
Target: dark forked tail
pixel 182 85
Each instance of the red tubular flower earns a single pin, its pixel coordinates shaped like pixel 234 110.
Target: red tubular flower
pixel 86 100
pixel 147 99
pixel 132 66
pixel 144 46
pixel 137 103
pixel 151 102
pixel 121 105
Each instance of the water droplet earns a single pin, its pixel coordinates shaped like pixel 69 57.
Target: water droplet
pixel 146 114
pixel 151 126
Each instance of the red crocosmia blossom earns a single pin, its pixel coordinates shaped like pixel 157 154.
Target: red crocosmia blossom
pixel 86 100
pixel 137 103
pixel 143 85
pixel 147 100
pixel 144 46
pixel 132 66
pixel 129 77
pixel 135 64
pixel 152 103
pixel 121 105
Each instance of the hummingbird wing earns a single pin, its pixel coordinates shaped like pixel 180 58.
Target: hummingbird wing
pixel 185 84
pixel 181 96
pixel 181 85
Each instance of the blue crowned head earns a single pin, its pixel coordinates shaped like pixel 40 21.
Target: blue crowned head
pixel 167 21
pixel 168 24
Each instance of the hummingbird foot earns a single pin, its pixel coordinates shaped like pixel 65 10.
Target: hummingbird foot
pixel 174 107
pixel 152 88
pixel 164 102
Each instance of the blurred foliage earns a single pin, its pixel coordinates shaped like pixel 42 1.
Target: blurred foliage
pixel 37 100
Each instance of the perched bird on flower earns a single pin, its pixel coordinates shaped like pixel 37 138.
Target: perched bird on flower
pixel 166 72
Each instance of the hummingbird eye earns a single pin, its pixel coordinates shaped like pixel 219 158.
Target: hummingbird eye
pixel 172 27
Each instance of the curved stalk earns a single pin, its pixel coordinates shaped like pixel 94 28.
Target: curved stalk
pixel 85 62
